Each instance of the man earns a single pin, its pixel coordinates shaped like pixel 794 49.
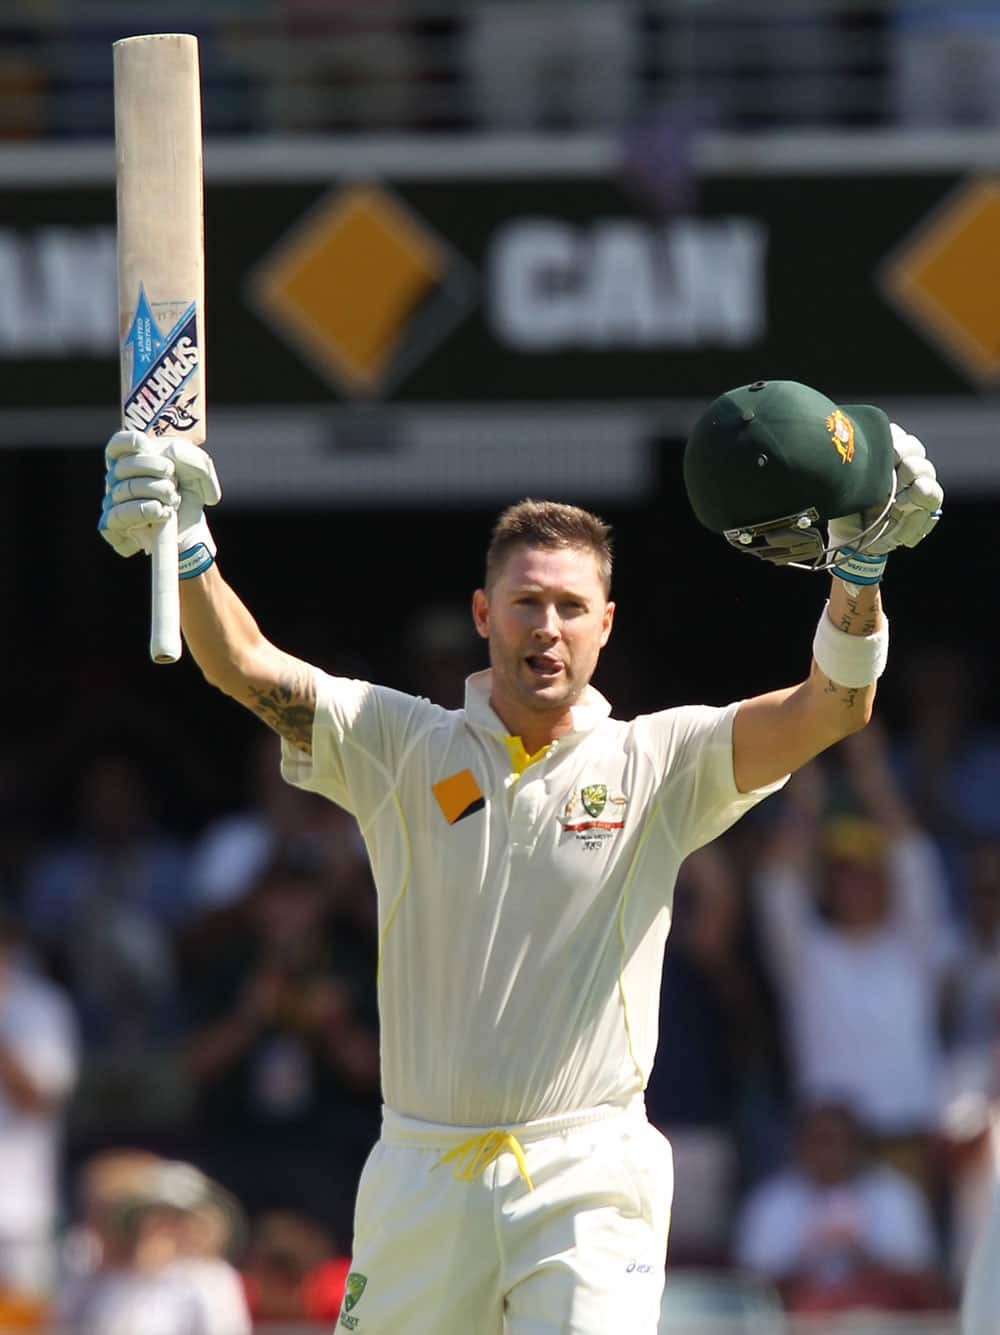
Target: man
pixel 525 850
pixel 835 1230
pixel 39 1060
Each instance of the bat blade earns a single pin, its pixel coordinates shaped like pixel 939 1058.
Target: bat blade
pixel 161 269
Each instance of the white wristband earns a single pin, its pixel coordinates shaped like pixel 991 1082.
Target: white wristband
pixel 850 660
pixel 196 550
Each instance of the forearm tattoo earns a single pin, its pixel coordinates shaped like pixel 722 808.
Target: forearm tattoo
pixel 289 705
pixel 847 695
pixel 855 620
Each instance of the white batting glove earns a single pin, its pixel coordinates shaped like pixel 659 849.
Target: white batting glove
pixel 146 480
pixel 915 510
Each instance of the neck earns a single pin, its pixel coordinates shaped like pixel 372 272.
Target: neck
pixel 534 729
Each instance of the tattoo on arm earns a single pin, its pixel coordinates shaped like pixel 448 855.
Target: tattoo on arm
pixel 288 705
pixel 847 695
pixel 855 620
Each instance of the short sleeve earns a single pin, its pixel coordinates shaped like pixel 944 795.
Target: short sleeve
pixel 698 796
pixel 361 733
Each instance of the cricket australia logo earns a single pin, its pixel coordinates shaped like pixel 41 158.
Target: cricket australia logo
pixel 160 370
pixel 594 824
pixel 353 1289
pixel 594 798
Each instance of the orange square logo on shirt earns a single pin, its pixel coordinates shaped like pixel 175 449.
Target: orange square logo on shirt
pixel 459 795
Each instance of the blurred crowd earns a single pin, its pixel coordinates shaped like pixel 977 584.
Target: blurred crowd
pixel 347 65
pixel 189 1075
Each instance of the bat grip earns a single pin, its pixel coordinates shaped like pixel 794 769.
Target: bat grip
pixel 165 624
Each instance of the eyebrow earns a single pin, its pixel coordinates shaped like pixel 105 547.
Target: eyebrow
pixel 542 588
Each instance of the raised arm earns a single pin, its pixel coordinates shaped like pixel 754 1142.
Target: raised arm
pixel 237 657
pixel 146 480
pixel 776 733
pixel 766 465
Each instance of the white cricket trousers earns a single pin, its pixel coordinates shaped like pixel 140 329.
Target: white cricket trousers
pixel 581 1251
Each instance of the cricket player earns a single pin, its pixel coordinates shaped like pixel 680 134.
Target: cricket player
pixel 525 850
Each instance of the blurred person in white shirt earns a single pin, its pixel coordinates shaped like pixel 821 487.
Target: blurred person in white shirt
pixel 835 1230
pixel 855 929
pixel 236 847
pixel 38 1071
pixel 150 1260
pixel 211 1232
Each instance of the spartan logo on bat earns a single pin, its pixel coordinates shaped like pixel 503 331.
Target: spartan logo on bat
pixel 160 370
pixel 175 417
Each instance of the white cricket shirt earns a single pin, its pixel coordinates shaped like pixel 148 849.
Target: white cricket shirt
pixel 522 918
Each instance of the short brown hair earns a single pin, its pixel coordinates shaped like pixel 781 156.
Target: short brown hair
pixel 550 525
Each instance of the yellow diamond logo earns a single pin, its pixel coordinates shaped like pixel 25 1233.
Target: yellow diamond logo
pixel 946 277
pixel 360 287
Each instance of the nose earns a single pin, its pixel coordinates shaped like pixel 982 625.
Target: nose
pixel 547 626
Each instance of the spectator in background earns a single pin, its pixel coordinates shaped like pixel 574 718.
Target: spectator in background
pixel 948 760
pixel 534 64
pixel 836 1231
pixel 972 1059
pixel 284 1049
pixel 142 1221
pixel 25 79
pixel 104 904
pixel 945 63
pixel 38 1068
pixel 717 1054
pixel 972 983
pixel 749 65
pixel 442 650
pixel 854 927
pixel 236 848
pixel 212 1231
pixel 355 66
pixel 293 1270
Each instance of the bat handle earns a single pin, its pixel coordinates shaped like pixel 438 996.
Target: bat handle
pixel 165 624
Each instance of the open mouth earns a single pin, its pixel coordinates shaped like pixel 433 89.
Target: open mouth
pixel 544 667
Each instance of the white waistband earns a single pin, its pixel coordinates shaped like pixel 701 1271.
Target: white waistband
pixel 398 1129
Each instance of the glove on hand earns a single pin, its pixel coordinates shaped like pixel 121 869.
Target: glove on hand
pixel 146 479
pixel 915 511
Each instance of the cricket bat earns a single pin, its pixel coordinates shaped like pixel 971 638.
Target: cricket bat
pixel 161 270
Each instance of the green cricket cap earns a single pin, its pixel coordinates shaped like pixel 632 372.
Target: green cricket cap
pixel 777 448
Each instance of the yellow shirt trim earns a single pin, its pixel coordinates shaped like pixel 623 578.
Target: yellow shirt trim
pixel 519 758
pixel 404 882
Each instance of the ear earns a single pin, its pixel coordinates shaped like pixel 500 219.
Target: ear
pixel 607 623
pixel 481 612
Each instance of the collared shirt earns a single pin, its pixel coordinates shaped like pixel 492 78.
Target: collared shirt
pixel 522 916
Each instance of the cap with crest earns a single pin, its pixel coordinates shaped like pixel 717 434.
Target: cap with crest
pixel 777 449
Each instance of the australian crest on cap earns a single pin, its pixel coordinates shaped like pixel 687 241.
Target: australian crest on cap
pixel 841 430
